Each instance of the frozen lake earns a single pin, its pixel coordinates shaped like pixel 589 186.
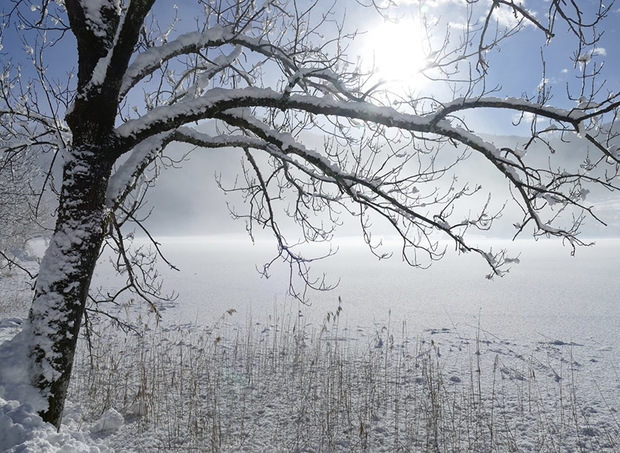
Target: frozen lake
pixel 549 296
pixel 531 357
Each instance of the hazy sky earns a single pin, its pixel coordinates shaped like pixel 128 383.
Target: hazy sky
pixel 187 200
pixel 516 64
pixel 516 68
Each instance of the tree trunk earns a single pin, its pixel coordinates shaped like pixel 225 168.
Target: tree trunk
pixel 62 287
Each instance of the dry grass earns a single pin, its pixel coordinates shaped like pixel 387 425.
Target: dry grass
pixel 285 386
pixel 15 293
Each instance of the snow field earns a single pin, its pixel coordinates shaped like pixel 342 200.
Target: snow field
pixel 283 385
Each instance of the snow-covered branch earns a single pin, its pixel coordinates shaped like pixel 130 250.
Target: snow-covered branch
pixel 152 59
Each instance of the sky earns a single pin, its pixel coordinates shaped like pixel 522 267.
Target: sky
pixel 516 63
pixel 509 59
pixel 397 45
pixel 516 69
pixel 398 48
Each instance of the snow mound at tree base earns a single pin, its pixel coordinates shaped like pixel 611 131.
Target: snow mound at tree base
pixel 21 428
pixel 24 431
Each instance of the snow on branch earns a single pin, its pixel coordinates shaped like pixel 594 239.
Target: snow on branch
pixel 152 59
pixel 126 177
pixel 573 116
pixel 219 100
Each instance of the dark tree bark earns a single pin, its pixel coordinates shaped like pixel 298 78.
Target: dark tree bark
pixel 61 290
pixel 66 270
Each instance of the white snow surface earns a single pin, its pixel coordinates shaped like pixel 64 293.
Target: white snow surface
pixel 14 382
pixel 557 354
pixel 22 430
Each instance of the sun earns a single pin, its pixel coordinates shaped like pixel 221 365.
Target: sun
pixel 396 52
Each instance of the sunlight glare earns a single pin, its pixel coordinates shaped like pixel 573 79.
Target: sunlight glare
pixel 397 51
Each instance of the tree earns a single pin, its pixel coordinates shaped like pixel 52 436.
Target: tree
pixel 265 74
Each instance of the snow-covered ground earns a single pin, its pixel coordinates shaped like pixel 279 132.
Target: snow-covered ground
pixel 432 361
